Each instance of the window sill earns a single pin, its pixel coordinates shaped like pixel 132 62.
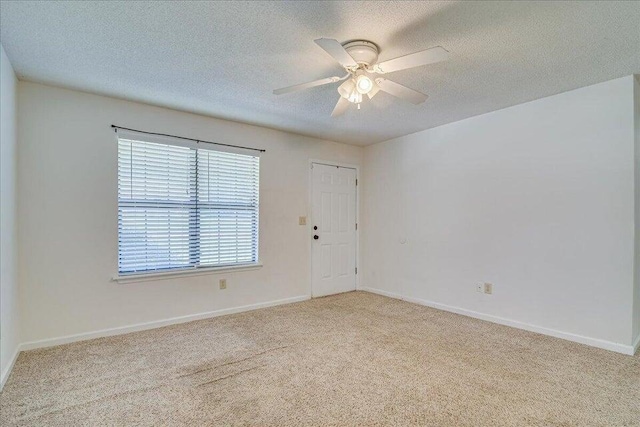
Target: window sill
pixel 144 277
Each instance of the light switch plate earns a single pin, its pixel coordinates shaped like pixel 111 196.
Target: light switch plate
pixel 223 283
pixel 302 220
pixel 488 288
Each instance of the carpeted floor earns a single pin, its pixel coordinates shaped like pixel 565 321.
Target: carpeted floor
pixel 350 359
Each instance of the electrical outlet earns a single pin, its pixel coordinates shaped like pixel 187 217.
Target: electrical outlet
pixel 223 283
pixel 488 288
pixel 480 287
pixel 302 220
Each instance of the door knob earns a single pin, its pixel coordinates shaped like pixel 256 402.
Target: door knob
pixel 315 237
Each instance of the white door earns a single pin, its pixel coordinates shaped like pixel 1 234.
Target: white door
pixel 333 229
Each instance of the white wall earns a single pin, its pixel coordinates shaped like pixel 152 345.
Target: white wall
pixel 9 297
pixel 537 199
pixel 68 207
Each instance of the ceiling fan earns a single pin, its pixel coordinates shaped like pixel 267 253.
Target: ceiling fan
pixel 359 60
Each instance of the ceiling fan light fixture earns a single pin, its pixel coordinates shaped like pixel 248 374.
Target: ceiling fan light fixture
pixel 364 84
pixel 355 97
pixel 346 88
pixel 373 91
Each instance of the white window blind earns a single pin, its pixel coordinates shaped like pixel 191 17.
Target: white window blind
pixel 182 207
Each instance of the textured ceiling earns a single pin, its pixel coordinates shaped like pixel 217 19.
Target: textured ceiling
pixel 223 59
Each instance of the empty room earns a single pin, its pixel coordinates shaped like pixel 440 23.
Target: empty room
pixel 320 213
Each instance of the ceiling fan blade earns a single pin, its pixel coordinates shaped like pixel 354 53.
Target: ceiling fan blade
pixel 337 52
pixel 400 91
pixel 373 91
pixel 425 57
pixel 303 86
pixel 341 107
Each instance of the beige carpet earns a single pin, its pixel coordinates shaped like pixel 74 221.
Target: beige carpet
pixel 350 359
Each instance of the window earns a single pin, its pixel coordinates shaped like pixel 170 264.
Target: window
pixel 181 206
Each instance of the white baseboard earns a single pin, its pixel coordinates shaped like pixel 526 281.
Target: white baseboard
pixel 155 324
pixel 5 374
pixel 607 345
pixel 594 342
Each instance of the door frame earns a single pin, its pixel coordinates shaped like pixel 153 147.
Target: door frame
pixel 310 211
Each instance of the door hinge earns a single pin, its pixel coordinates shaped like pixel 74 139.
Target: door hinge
pixel 356 225
pixel 356 182
pixel 356 270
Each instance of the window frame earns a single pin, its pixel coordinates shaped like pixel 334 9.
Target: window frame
pixel 194 268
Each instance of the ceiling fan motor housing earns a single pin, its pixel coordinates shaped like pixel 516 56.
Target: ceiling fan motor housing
pixel 362 51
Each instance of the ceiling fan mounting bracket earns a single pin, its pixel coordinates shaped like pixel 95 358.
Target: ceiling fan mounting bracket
pixel 362 51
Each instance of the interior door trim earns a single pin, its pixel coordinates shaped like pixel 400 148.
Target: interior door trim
pixel 310 223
